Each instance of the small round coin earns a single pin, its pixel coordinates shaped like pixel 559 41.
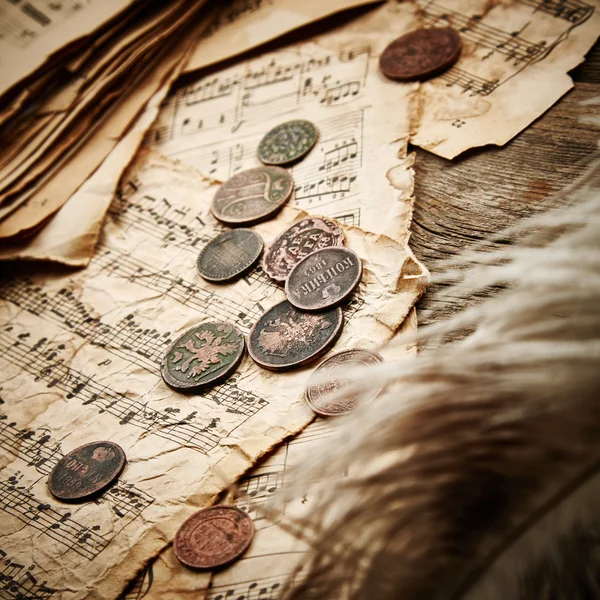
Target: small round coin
pixel 252 196
pixel 324 399
pixel 86 471
pixel 213 537
pixel 324 278
pixel 287 142
pixel 202 356
pixel 229 255
pixel 284 337
pixel 421 54
pixel 297 242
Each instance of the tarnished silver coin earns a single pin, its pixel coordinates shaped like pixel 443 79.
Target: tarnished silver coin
pixel 298 241
pixel 252 196
pixel 229 255
pixel 202 356
pixel 326 398
pixel 324 278
pixel 285 337
pixel 288 142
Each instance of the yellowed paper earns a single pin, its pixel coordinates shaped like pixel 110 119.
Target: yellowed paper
pixel 32 31
pixel 243 25
pixel 80 356
pixel 514 64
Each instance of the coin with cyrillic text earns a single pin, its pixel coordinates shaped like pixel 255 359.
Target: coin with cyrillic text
pixel 252 196
pixel 204 355
pixel 326 397
pixel 86 471
pixel 421 54
pixel 285 337
pixel 213 537
pixel 298 241
pixel 324 278
pixel 288 142
pixel 229 255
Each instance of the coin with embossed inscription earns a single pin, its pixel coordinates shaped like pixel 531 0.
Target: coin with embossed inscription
pixel 252 196
pixel 326 397
pixel 421 54
pixel 204 355
pixel 213 537
pixel 288 142
pixel 86 471
pixel 285 337
pixel 324 278
pixel 296 242
pixel 229 255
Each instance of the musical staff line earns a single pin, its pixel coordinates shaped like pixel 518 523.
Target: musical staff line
pixel 19 583
pixel 572 11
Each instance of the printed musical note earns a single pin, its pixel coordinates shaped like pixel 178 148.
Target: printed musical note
pixel 20 583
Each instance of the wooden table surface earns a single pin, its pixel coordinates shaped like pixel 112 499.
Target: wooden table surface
pixel 460 202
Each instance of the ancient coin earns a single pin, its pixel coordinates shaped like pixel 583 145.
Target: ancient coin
pixel 229 255
pixel 323 397
pixel 252 196
pixel 296 242
pixel 285 337
pixel 323 279
pixel 421 54
pixel 288 142
pixel 213 537
pixel 203 356
pixel 86 471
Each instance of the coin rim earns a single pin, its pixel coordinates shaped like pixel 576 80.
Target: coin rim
pixel 218 564
pixel 178 387
pixel 237 273
pixel 262 217
pixel 337 302
pixel 280 236
pixel 325 413
pixel 292 365
pixel 296 158
pixel 100 490
pixel 422 75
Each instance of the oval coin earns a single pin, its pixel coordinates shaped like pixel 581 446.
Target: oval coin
pixel 229 255
pixel 213 537
pixel 324 399
pixel 324 278
pixel 285 337
pixel 298 241
pixel 86 471
pixel 252 196
pixel 202 356
pixel 421 54
pixel 287 142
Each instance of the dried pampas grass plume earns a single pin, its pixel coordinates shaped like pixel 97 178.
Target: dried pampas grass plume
pixel 478 475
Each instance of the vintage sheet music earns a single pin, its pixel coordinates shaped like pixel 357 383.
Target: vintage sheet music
pixel 32 31
pixel 80 355
pixel 358 171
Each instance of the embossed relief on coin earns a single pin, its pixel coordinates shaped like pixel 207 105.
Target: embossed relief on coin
pixel 287 142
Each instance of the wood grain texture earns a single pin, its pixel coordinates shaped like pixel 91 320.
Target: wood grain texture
pixel 460 202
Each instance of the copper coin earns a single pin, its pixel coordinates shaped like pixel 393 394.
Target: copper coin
pixel 298 241
pixel 86 471
pixel 421 54
pixel 285 337
pixel 252 196
pixel 229 255
pixel 202 356
pixel 213 537
pixel 324 398
pixel 288 142
pixel 324 278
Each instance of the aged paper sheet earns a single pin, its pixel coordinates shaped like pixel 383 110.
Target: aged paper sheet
pixel 514 65
pixel 358 171
pixel 242 25
pixel 80 356
pixel 32 31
